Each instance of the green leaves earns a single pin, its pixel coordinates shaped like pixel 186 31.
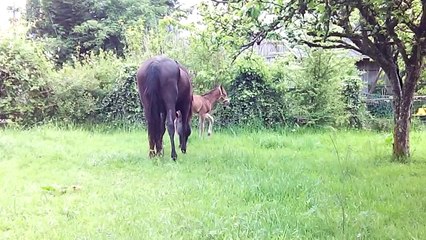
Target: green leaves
pixel 121 104
pixel 25 95
pixel 253 11
pixel 89 25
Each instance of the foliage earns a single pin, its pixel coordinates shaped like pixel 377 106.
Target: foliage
pixel 189 45
pixel 380 108
pixel 355 108
pixel 391 33
pixel 421 88
pixel 122 104
pixel 253 99
pixel 380 124
pixel 316 97
pixel 83 26
pixel 322 88
pixel 25 93
pixel 80 87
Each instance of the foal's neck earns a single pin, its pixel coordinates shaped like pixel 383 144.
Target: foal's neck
pixel 212 96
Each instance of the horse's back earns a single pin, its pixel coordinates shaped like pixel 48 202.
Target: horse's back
pixel 173 80
pixel 168 70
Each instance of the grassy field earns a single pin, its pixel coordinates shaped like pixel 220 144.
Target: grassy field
pixel 80 184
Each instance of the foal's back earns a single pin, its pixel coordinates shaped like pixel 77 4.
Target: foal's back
pixel 200 105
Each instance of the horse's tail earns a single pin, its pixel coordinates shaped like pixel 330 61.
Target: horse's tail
pixel 153 109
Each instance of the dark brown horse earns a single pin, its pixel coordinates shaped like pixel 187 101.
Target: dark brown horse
pixel 165 87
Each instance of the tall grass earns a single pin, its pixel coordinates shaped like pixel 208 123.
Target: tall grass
pixel 83 184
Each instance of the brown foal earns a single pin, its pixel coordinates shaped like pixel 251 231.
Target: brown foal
pixel 203 105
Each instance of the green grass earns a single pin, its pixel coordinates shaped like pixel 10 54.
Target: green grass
pixel 79 184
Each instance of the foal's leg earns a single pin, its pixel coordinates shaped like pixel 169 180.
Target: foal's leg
pixel 211 121
pixel 201 123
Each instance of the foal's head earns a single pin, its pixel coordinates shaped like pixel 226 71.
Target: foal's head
pixel 223 95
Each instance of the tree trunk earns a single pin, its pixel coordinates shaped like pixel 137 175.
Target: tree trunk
pixel 401 132
pixel 403 101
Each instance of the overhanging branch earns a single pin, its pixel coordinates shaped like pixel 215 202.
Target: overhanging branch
pixel 390 26
pixel 337 45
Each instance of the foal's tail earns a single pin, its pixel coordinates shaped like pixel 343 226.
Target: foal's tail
pixel 153 109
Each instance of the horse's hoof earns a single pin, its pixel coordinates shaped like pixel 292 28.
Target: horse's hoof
pixel 183 151
pixel 208 134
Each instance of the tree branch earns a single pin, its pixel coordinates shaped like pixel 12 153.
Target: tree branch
pixel 220 1
pixel 337 44
pixel 390 26
pixel 259 38
pixel 367 13
pixel 273 3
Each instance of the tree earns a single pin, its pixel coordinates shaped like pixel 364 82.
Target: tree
pixel 392 33
pixel 91 25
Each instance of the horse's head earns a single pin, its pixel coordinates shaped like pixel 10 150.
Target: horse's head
pixel 223 95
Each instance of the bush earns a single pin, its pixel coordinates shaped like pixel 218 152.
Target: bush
pixel 319 89
pixel 354 103
pixel 380 124
pixel 380 108
pixel 25 93
pixel 253 100
pixel 122 105
pixel 80 87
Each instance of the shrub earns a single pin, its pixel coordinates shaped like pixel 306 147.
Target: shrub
pixel 122 104
pixel 354 104
pixel 25 93
pixel 80 87
pixel 380 108
pixel 253 99
pixel 319 89
pixel 380 124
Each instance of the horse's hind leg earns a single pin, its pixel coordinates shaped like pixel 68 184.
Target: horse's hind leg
pixel 170 122
pixel 184 129
pixel 159 140
pixel 151 147
pixel 151 135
